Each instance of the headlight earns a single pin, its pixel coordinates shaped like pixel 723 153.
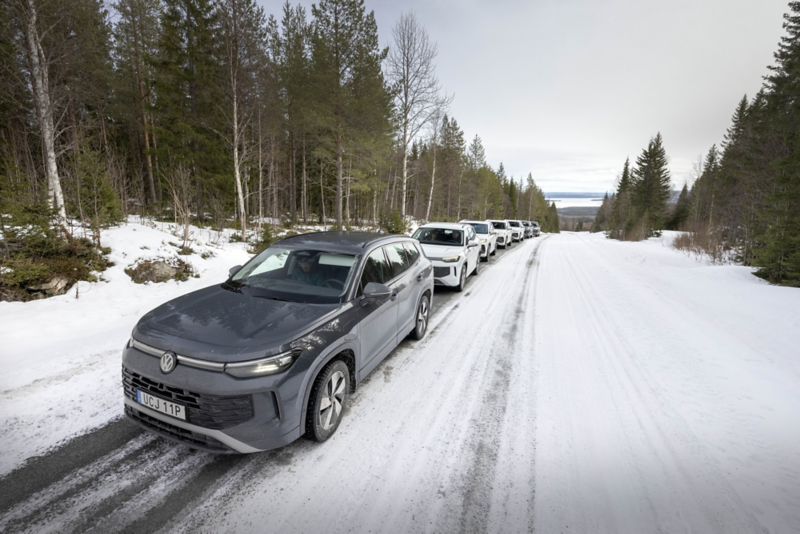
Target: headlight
pixel 262 367
pixel 451 259
pixel 483 240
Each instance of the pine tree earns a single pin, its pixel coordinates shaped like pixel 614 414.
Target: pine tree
pixel 354 103
pixel 651 186
pixel 682 209
pixel 777 251
pixel 621 218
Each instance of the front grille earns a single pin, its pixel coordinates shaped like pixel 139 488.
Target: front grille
pixel 162 428
pixel 208 411
pixel 441 272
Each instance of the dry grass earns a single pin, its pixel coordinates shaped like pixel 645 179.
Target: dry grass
pixel 705 241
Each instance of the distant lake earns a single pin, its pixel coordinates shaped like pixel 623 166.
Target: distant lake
pixel 575 200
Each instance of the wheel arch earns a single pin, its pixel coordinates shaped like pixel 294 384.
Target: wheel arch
pixel 345 354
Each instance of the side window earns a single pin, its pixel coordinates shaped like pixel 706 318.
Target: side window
pixel 412 251
pixel 396 253
pixel 376 269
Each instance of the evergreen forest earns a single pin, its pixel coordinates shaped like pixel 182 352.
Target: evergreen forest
pixel 218 113
pixel 744 205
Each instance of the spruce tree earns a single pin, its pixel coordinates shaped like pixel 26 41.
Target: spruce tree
pixel 651 186
pixel 777 251
pixel 681 212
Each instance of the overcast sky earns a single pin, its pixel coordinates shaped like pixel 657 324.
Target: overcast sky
pixel 567 89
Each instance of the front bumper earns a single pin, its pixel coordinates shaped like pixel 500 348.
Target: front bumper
pixel 217 418
pixel 446 274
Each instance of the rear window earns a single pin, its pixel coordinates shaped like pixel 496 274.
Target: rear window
pixel 412 251
pixel 396 253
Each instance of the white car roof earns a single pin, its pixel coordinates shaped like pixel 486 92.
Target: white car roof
pixel 471 222
pixel 444 225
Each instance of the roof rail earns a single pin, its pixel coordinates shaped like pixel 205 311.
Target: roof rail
pixel 387 236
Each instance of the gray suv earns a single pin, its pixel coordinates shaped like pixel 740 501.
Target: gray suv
pixel 273 353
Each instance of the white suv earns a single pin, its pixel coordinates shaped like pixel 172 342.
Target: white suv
pixel 517 230
pixel 503 232
pixel 487 237
pixel 453 250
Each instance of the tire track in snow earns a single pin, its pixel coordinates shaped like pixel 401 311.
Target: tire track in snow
pixel 489 421
pixel 118 478
pixel 654 475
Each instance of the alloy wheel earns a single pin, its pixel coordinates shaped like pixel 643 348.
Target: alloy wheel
pixel 330 406
pixel 422 316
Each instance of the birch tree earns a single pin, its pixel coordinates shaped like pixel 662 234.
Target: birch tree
pixel 244 32
pixel 41 56
pixel 413 78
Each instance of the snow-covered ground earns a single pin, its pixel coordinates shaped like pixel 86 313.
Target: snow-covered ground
pixel 60 357
pixel 579 384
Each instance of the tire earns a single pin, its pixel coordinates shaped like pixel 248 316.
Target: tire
pixel 494 251
pixel 477 269
pixel 462 282
pixel 422 317
pixel 332 386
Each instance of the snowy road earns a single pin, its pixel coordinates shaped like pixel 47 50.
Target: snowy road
pixel 577 385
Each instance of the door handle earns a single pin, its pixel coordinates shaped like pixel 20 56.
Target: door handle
pixel 393 297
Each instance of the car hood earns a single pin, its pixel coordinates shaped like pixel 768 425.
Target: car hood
pixel 215 321
pixel 435 252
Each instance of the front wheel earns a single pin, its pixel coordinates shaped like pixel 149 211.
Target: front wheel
pixel 423 313
pixel 477 267
pixel 462 281
pixel 327 401
pixel 494 251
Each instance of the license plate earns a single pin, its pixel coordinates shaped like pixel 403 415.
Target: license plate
pixel 160 405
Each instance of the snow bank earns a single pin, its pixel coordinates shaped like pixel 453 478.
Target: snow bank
pixel 60 357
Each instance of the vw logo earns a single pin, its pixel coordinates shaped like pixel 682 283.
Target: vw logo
pixel 168 361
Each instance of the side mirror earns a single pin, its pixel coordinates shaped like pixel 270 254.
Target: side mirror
pixel 233 270
pixel 375 291
pixel 473 243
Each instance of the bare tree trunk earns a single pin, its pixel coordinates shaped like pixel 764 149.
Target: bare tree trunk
pixel 304 195
pixel 150 181
pixel 236 163
pixel 292 180
pixel 404 180
pixel 433 181
pixel 321 195
pixel 44 108
pixel 260 177
pixel 339 150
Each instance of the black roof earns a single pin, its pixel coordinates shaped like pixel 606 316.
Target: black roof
pixel 341 242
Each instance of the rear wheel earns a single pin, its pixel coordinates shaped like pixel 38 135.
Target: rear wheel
pixel 423 313
pixel 327 401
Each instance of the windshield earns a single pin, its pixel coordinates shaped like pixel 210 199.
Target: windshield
pixel 309 276
pixel 439 236
pixel 515 224
pixel 525 223
pixel 480 228
pixel 499 225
